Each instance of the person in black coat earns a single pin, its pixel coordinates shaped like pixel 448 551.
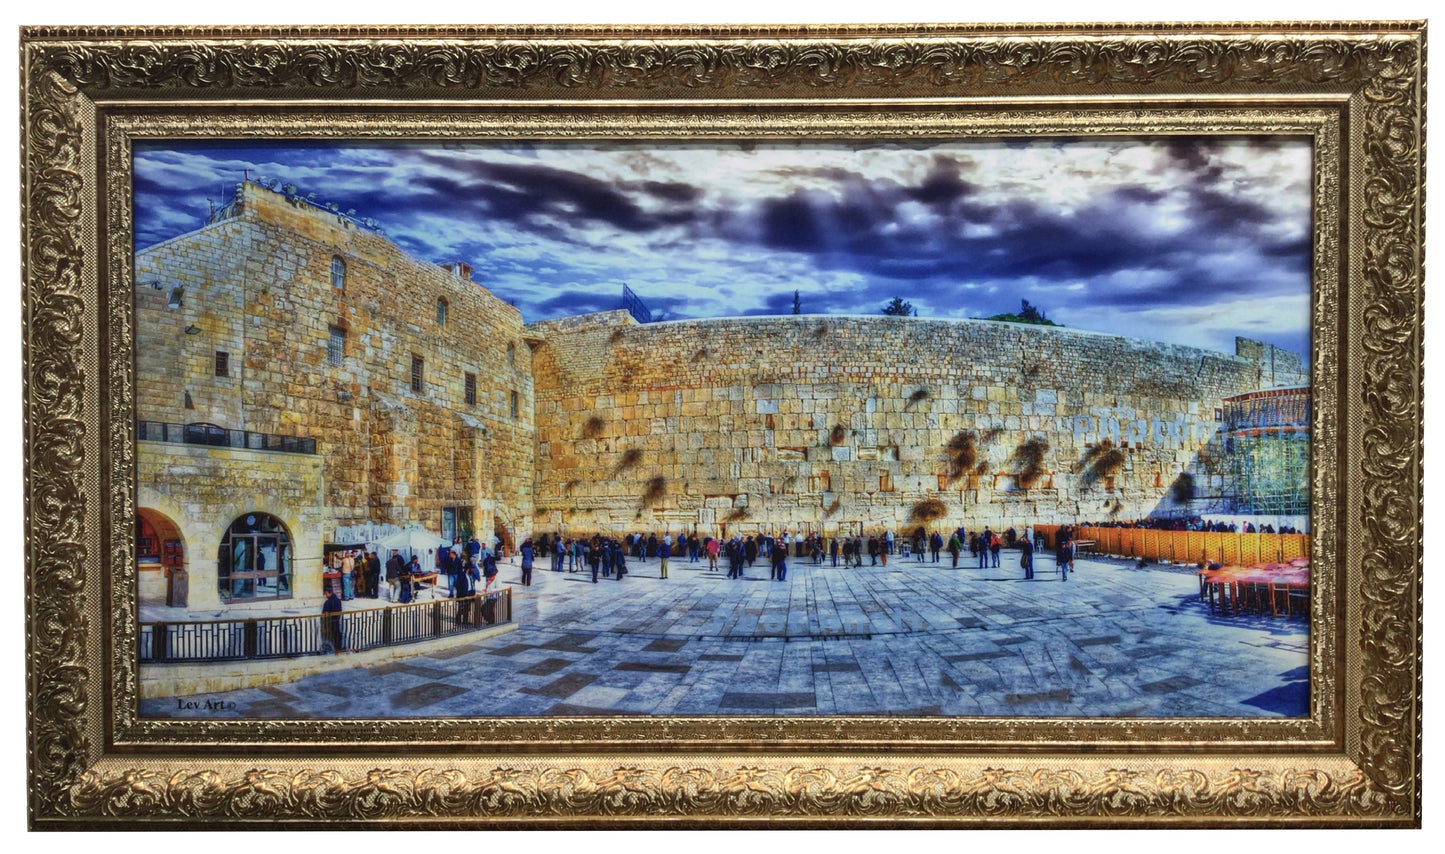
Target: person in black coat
pixel 1026 557
pixel 373 575
pixel 394 568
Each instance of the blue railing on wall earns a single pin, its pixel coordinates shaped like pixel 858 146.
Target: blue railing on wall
pixel 634 306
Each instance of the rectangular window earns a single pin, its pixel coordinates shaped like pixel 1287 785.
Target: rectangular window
pixel 335 344
pixel 457 522
pixel 223 363
pixel 514 404
pixel 470 382
pixel 417 367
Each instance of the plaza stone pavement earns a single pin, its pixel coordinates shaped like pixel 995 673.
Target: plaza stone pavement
pixel 910 638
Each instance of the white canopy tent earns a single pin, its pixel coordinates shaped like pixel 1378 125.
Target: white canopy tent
pixel 412 541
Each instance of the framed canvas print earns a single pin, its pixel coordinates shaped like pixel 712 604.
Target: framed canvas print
pixel 723 426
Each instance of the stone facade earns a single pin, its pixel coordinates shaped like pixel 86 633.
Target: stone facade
pixel 595 423
pixel 257 285
pixel 202 490
pixel 845 423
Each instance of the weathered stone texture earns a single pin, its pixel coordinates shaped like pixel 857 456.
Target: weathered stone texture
pixel 258 286
pixel 801 422
pixel 202 490
pixel 841 423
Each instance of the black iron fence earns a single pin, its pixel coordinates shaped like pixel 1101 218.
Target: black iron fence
pixel 318 634
pixel 220 437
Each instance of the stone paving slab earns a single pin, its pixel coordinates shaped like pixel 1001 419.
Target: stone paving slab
pixel 909 639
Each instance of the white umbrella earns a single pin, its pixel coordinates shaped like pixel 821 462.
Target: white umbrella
pixel 412 541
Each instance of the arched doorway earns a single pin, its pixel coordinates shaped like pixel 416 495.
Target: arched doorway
pixel 254 559
pixel 507 544
pixel 160 559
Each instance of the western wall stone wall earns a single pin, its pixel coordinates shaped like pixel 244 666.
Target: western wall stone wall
pixel 825 423
pixel 257 285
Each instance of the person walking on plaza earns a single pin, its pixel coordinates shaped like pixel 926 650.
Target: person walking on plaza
pixel 528 554
pixel 994 544
pixel 594 557
pixel 779 558
pixel 920 545
pixel 331 621
pixel 833 550
pixel 935 545
pixel 1026 557
pixel 954 547
pixel 712 546
pixel 394 567
pixel 1064 557
pixel 872 551
pixel 981 546
pixel 664 552
pixel 750 551
pixel 489 568
pixel 888 539
pixel 467 577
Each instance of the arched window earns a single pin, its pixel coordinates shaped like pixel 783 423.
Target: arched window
pixel 255 559
pixel 338 273
pixel 441 311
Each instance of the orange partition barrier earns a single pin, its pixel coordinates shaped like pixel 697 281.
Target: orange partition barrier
pixel 1225 548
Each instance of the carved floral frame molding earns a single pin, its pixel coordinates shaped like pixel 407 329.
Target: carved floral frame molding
pixel 1356 89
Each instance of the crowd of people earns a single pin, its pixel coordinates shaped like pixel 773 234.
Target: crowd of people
pixel 607 557
pixel 1195 523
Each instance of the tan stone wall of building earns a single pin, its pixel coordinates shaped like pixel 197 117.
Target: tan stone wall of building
pixel 258 286
pixel 842 423
pixel 203 490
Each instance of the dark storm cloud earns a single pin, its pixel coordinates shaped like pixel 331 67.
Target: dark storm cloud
pixel 959 230
pixel 864 230
pixel 534 193
pixel 580 301
pixel 943 186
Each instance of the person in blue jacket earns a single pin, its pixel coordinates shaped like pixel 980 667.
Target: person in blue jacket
pixel 528 555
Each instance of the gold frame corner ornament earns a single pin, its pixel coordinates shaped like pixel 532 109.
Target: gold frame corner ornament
pixel 1356 89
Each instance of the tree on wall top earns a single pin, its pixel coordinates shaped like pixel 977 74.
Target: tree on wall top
pixel 900 307
pixel 1028 313
pixel 797 303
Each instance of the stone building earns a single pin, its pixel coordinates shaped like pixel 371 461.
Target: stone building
pixel 410 385
pixel 298 373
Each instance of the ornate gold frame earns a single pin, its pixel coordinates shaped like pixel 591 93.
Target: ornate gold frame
pixel 1357 90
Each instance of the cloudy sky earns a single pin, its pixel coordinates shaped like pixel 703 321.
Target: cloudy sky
pixel 1186 240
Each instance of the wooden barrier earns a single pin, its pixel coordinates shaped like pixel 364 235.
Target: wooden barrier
pixel 1224 548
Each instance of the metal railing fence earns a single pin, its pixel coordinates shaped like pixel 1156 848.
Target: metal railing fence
pixel 318 634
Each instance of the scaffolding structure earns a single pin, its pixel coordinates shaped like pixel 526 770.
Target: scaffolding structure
pixel 1268 452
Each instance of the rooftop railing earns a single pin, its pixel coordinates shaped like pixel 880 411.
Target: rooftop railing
pixel 220 437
